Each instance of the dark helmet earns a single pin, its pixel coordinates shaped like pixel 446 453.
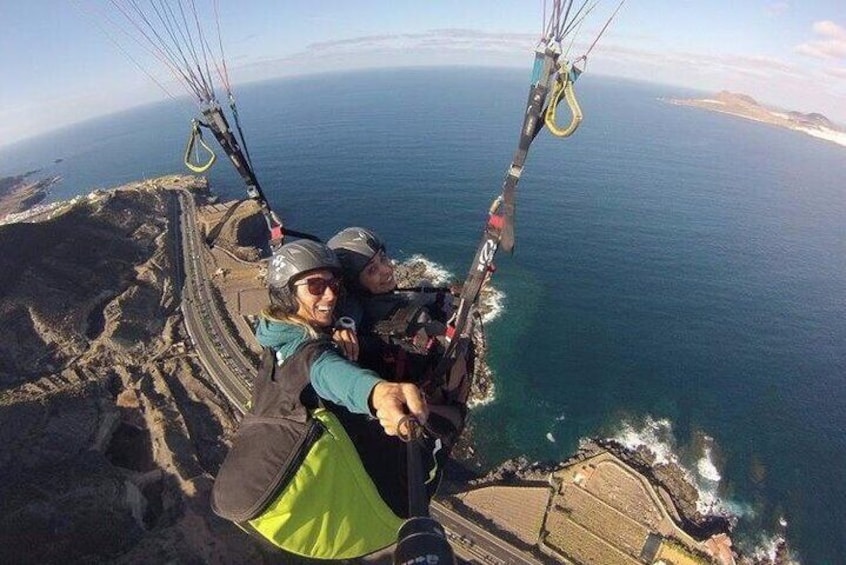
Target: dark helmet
pixel 355 247
pixel 290 262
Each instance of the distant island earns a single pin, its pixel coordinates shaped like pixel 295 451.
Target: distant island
pixel 744 106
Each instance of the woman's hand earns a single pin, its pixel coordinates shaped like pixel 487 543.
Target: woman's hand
pixel 347 341
pixel 393 401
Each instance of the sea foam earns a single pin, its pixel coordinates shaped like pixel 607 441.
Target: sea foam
pixel 436 274
pixel 706 467
pixel 767 549
pixel 491 300
pixel 657 436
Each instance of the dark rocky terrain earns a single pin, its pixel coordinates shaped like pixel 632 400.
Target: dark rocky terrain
pixel 109 433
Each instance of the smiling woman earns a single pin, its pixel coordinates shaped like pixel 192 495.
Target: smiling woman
pixel 283 469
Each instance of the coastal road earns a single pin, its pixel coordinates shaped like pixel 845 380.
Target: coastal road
pixel 225 362
pixel 472 541
pixel 220 355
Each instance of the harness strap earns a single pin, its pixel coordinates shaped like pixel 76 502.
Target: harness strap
pixel 499 229
pixel 219 126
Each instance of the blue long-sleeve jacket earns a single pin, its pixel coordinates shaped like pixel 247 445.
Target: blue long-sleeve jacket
pixel 333 377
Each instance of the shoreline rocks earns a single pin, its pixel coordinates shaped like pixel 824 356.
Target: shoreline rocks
pixel 669 478
pixel 18 195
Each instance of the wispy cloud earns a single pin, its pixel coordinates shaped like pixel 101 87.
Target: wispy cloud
pixel 443 38
pixel 776 9
pixel 689 63
pixel 836 72
pixel 830 42
pixel 781 80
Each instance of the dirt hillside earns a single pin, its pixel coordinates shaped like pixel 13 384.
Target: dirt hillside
pixel 109 434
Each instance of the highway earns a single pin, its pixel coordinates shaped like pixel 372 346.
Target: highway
pixel 472 541
pixel 216 348
pixel 232 371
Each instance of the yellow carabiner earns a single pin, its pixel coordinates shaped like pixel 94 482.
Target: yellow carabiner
pixel 563 85
pixel 191 147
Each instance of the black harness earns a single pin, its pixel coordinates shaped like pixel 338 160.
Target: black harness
pixel 410 338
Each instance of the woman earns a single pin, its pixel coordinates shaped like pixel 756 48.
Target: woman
pixel 309 469
pixel 304 286
pixel 402 333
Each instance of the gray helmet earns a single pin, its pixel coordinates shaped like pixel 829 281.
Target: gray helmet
pixel 355 247
pixel 294 259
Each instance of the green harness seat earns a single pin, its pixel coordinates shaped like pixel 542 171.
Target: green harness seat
pixel 330 509
pixel 294 477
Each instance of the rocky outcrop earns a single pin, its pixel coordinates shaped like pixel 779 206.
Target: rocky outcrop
pixel 670 478
pixel 416 272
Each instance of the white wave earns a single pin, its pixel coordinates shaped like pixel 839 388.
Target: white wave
pixel 474 402
pixel 492 303
pixel 766 551
pixel 709 501
pixel 655 435
pixel 491 300
pixel 436 274
pixel 706 468
pixel 561 417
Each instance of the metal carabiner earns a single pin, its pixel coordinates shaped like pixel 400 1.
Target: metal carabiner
pixel 192 147
pixel 563 86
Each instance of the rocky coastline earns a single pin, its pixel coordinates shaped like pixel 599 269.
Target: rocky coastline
pixel 17 194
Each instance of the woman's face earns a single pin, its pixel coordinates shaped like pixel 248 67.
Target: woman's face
pixel 317 294
pixel 378 275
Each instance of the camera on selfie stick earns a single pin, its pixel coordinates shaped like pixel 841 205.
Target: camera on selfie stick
pixel 421 540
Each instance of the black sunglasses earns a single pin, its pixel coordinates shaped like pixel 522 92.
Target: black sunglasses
pixel 317 286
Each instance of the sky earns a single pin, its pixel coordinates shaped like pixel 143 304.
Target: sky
pixel 64 61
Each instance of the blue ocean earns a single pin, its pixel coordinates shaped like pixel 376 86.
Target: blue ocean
pixel 679 278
